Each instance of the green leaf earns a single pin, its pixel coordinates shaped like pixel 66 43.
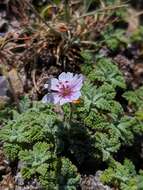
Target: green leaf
pixel 106 71
pixel 42 169
pixel 37 156
pixel 120 176
pixel 24 104
pixel 135 98
pixel 37 160
pixel 11 150
pixel 101 98
pixel 29 126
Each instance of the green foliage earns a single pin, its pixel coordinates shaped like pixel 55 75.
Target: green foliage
pixel 30 126
pixel 76 140
pixel 107 143
pixel 24 104
pixel 135 98
pixel 135 102
pixel 31 137
pixel 96 128
pixel 140 180
pixel 87 67
pixel 11 150
pixel 103 115
pixel 52 172
pixel 128 128
pixel 47 138
pixel 106 71
pixel 121 176
pixel 100 98
pixel 67 176
pixel 57 1
pixel 114 38
pixel 137 36
pixel 99 111
pixel 62 175
pixel 35 160
pixel 5 115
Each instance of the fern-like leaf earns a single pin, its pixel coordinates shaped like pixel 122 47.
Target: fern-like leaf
pixel 106 71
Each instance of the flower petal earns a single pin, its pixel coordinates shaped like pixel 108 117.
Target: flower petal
pixel 64 100
pixel 75 96
pixel 51 98
pixel 77 84
pixel 54 84
pixel 66 76
pixel 46 99
pixel 56 98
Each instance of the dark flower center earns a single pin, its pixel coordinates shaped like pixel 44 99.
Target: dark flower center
pixel 65 91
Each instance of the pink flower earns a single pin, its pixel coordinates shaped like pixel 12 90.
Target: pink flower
pixel 64 89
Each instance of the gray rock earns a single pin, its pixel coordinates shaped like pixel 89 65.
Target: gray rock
pixel 3 86
pixel 92 182
pixel 19 180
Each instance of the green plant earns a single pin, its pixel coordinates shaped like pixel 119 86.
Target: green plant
pixel 45 137
pixel 31 138
pixel 37 160
pixel 114 38
pixel 106 71
pixel 135 98
pixel 29 127
pixel 121 176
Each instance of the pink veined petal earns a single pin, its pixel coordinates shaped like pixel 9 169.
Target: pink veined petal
pixel 47 98
pixel 75 77
pixel 54 84
pixel 66 76
pixel 56 98
pixel 77 84
pixel 44 99
pixel 64 100
pixel 51 98
pixel 75 96
pixel 78 76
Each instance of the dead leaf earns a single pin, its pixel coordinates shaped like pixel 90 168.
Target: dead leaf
pixel 7 182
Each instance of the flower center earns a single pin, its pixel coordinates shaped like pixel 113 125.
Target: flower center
pixel 65 91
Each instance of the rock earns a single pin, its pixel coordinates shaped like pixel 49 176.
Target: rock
pixel 19 180
pixel 92 182
pixel 16 83
pixel 3 86
pixel 20 184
